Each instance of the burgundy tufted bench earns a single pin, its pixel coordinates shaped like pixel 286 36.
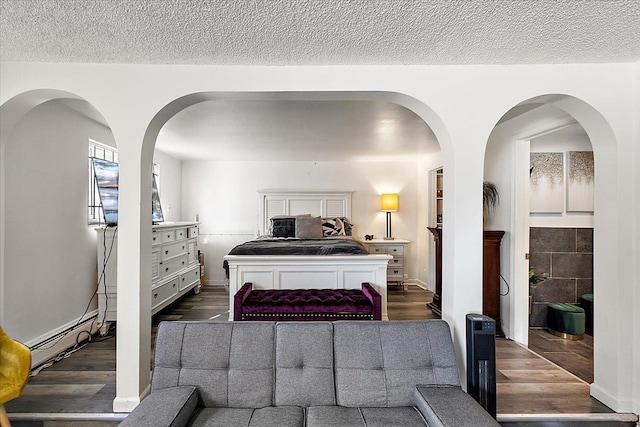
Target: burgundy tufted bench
pixel 307 304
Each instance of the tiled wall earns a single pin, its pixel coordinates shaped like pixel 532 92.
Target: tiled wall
pixel 566 255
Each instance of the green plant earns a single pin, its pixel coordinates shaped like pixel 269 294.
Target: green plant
pixel 490 199
pixel 536 278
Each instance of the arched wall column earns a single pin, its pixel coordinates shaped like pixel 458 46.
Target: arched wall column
pixel 613 305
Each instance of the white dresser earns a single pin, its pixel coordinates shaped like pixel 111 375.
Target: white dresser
pixel 175 269
pixel 398 249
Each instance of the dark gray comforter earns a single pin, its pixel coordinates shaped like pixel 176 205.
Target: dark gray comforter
pixel 325 246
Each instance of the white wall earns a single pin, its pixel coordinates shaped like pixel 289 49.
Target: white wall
pixel 225 197
pixel 50 258
pixel 170 186
pixel 561 142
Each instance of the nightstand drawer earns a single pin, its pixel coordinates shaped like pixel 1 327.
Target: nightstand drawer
pixel 395 250
pixel 396 262
pixel 394 274
pixel 376 249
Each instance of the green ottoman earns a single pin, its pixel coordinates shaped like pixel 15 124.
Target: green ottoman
pixel 566 320
pixel 586 302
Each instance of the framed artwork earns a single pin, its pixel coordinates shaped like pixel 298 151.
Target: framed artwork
pixel 546 175
pixel 580 181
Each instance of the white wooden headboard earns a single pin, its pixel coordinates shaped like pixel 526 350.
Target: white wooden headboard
pixel 317 203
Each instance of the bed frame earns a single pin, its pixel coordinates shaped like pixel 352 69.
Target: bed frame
pixel 306 271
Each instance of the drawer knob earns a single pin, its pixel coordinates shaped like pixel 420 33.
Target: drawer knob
pixel 174 285
pixel 155 295
pixel 166 252
pixel 166 269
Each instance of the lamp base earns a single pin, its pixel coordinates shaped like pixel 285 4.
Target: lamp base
pixel 389 238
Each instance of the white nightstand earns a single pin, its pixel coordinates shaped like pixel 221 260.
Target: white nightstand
pixel 396 248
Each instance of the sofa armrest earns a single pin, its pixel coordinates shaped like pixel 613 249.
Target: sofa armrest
pixel 375 298
pixel 239 298
pixel 171 407
pixel 450 406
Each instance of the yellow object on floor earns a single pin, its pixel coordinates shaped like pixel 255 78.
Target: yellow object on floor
pixel 15 365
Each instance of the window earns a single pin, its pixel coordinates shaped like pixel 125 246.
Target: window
pixel 104 152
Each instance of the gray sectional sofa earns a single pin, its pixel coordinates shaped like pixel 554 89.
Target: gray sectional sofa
pixel 313 374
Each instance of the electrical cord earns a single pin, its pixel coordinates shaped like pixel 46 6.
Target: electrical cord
pixel 64 354
pixel 506 283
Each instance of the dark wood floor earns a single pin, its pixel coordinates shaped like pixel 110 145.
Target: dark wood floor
pixel 574 356
pixel 84 382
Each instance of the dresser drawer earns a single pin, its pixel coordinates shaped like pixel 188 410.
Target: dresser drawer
pixel 164 292
pixel 192 232
pixel 173 265
pixel 168 236
pixel 189 278
pixel 156 237
pixel 174 249
pixel 181 233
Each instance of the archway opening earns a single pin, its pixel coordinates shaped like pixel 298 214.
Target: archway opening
pixel 549 132
pixel 48 276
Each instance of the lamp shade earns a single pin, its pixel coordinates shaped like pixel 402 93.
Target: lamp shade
pixel 389 202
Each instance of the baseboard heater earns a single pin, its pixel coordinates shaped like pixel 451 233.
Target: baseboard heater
pixel 62 340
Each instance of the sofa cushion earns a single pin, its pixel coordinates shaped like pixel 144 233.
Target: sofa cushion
pixel 230 363
pixel 378 364
pixel 339 416
pixel 445 406
pixel 282 416
pixel 402 416
pixel 334 416
pixel 304 364
pixel 171 407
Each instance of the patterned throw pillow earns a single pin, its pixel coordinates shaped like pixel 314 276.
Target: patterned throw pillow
pixel 283 226
pixel 333 227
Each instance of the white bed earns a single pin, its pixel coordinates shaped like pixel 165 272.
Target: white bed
pixel 306 271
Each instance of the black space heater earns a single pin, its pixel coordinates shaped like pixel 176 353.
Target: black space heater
pixel 481 361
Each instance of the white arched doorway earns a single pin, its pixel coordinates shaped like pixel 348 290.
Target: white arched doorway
pixel 47 244
pixel 530 119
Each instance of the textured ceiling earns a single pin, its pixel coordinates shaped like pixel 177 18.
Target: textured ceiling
pixel 312 32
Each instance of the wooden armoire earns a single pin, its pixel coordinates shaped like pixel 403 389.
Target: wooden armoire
pixel 490 277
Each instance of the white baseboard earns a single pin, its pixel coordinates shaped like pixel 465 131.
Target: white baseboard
pixel 55 342
pixel 618 404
